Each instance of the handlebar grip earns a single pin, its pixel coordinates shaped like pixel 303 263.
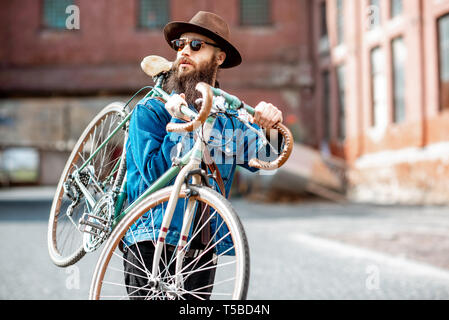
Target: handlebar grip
pixel 285 153
pixel 202 114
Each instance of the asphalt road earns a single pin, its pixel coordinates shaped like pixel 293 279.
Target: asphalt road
pixel 312 250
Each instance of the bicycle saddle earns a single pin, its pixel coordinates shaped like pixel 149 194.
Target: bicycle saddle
pixel 154 65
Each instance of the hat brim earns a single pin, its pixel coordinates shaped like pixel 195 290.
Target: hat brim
pixel 174 30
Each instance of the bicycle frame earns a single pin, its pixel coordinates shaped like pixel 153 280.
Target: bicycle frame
pixel 190 161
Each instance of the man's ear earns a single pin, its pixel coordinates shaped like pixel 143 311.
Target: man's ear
pixel 221 56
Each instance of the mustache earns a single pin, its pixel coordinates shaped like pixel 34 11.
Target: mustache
pixel 183 60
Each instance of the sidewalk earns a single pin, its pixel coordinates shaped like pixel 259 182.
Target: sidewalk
pixel 38 193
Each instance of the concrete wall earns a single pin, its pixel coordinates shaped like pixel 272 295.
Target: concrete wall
pixel 51 126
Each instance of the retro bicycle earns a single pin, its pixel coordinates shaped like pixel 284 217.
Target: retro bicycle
pixel 90 210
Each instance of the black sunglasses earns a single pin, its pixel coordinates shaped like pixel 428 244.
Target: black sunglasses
pixel 195 45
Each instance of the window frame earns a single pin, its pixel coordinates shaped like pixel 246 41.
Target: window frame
pixel 374 26
pixel 269 17
pixel 397 14
pixel 373 82
pixel 145 28
pixel 326 104
pixel 340 21
pixel 394 69
pixel 43 21
pixel 441 107
pixel 341 73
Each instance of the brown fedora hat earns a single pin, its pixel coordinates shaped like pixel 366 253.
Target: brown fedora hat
pixel 210 25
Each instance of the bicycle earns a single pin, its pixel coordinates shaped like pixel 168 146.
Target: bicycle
pixel 89 207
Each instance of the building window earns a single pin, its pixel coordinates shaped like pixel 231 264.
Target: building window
pixel 443 41
pixel 378 87
pixel 395 8
pixel 374 14
pixel 340 22
pixel 54 13
pixel 325 80
pixel 255 12
pixel 341 102
pixel 399 53
pixel 323 20
pixel 323 43
pixel 153 14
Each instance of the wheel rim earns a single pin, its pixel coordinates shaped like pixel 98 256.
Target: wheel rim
pixel 231 272
pixel 65 240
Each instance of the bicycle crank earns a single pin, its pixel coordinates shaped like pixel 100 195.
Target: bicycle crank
pixel 97 225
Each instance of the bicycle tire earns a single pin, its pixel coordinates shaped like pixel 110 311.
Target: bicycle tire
pixel 65 247
pixel 107 278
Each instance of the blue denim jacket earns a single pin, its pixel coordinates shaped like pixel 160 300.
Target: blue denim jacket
pixel 150 149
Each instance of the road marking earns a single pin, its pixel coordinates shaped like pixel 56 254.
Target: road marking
pixel 350 251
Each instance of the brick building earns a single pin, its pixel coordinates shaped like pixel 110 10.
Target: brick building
pixel 77 71
pixel 364 80
pixel 383 90
pixel 43 57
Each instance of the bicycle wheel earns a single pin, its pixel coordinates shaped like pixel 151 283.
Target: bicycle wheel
pixel 227 243
pixel 65 240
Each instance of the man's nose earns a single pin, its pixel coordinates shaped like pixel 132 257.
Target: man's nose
pixel 186 51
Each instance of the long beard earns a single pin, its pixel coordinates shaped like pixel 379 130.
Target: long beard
pixel 186 82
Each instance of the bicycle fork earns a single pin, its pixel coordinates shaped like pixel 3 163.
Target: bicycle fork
pixel 187 221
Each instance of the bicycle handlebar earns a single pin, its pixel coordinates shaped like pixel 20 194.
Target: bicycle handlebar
pixel 285 153
pixel 235 103
pixel 206 106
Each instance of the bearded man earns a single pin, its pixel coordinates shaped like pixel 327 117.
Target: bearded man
pixel 203 47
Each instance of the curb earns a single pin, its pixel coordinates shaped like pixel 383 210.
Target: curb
pixel 27 194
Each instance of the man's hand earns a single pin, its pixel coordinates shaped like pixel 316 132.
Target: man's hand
pixel 174 103
pixel 266 115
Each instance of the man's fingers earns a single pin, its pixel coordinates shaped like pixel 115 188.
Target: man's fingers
pixel 268 115
pixel 258 115
pixel 174 103
pixel 272 117
pixel 276 117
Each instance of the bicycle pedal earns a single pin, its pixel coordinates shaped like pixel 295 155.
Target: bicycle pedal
pixel 84 223
pixel 103 220
pixel 89 232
